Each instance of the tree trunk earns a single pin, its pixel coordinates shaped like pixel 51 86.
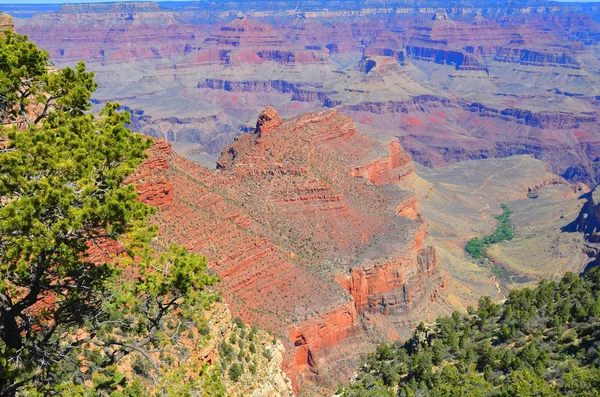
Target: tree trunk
pixel 6 388
pixel 9 330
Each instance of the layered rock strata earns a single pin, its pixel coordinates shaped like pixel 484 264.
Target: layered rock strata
pixel 524 77
pixel 295 232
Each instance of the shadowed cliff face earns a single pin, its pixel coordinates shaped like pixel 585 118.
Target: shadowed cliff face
pixel 588 224
pixel 477 80
pixel 306 247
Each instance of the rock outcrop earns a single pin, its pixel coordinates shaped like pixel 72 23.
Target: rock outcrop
pixel 389 170
pixel 153 189
pixel 7 22
pixel 291 229
pixel 588 223
pixel 267 379
pixel 268 121
pixel 321 337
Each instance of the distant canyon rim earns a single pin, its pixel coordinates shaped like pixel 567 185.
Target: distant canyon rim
pixel 451 80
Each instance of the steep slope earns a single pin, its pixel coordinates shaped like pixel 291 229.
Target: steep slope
pixel 301 221
pixel 540 341
pixel 181 344
pixel 259 355
pixel 587 226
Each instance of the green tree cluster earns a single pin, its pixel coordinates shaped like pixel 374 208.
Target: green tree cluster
pixel 541 342
pixel 70 321
pixel 503 232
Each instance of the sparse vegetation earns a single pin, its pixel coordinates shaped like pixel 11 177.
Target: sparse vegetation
pixel 235 371
pixel 504 232
pixel 267 354
pixel 476 247
pixel 244 352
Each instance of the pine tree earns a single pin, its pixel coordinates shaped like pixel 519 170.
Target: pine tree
pixel 67 318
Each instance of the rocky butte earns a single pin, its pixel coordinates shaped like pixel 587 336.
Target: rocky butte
pixel 304 222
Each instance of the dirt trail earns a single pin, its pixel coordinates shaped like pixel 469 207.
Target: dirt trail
pixel 496 173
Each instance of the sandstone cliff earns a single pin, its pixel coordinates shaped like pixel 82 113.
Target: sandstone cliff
pixel 306 226
pixel 6 22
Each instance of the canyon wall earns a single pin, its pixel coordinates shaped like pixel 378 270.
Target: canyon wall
pixel 509 78
pixel 303 218
pixel 304 247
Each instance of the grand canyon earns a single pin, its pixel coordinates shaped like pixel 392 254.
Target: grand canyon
pixel 331 159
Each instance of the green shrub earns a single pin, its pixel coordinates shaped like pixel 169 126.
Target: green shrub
pixel 240 324
pixel 235 371
pixel 539 342
pixel 267 354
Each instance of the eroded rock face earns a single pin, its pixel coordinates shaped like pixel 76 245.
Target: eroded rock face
pixel 315 339
pixel 434 127
pixel 267 121
pixel 111 33
pixel 152 188
pixel 199 74
pixel 588 223
pixel 378 287
pixel 387 171
pixel 295 236
pixel 7 22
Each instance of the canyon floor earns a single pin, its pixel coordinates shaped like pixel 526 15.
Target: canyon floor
pixel 459 202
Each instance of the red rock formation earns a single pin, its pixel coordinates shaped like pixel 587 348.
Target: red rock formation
pixel 387 170
pixel 152 188
pixel 314 339
pixel 503 62
pixel 244 41
pixel 282 204
pixel 267 121
pixel 103 250
pixel 113 33
pixel 438 131
pixel 370 285
pixel 409 208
